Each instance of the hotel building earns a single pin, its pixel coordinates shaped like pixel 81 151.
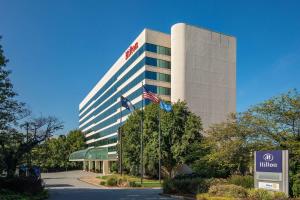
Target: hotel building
pixel 192 64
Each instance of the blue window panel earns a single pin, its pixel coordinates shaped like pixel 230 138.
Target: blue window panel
pixel 150 61
pixel 151 47
pixel 151 88
pixel 150 75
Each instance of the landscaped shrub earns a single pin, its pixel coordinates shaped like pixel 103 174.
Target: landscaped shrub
pixel 208 197
pixel 186 186
pixel 218 181
pixel 244 181
pixel 228 191
pixel 134 184
pixel 112 181
pixel 102 183
pixel 123 182
pixel 279 196
pixel 261 194
pixel 296 185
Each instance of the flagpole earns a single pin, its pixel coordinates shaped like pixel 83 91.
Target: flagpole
pixel 142 148
pixel 159 144
pixel 121 147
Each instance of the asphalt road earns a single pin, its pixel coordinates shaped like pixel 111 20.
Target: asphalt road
pixel 66 186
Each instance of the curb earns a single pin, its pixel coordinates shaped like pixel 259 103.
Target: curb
pixel 177 196
pixel 120 188
pixel 100 186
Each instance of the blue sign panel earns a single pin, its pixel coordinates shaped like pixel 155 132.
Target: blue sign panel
pixel 269 161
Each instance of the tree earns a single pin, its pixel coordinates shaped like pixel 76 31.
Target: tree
pixel 10 109
pixel 181 135
pixel 17 143
pixel 273 124
pixel 131 142
pixel 55 152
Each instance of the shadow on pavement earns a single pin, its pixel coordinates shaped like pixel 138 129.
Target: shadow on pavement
pixel 59 185
pixel 105 194
pixel 55 178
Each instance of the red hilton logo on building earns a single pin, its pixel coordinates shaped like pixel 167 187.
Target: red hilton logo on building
pixel 131 50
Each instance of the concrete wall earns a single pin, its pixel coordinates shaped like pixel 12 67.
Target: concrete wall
pixel 204 72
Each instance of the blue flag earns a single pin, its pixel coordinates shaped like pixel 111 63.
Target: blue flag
pixel 165 106
pixel 127 104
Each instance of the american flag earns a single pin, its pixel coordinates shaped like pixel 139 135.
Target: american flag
pixel 151 96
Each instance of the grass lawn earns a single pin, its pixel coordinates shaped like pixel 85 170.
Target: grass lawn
pixel 146 182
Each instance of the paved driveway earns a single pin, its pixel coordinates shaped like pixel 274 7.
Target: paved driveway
pixel 66 186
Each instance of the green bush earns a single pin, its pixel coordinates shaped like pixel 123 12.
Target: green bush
pixel 134 184
pixel 186 186
pixel 218 181
pixel 228 191
pixel 296 185
pixel 112 181
pixel 102 183
pixel 244 181
pixel 261 194
pixel 208 197
pixel 279 196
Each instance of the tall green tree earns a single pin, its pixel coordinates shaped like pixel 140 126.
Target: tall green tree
pixel 181 136
pixel 10 109
pixel 55 152
pixel 272 124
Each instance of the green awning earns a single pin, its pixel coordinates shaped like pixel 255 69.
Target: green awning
pixel 98 153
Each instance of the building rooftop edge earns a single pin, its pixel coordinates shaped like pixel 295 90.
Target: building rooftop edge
pixel 201 27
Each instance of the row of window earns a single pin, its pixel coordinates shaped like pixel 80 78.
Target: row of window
pixel 109 149
pixel 106 141
pixel 146 47
pixel 158 76
pixel 163 91
pixel 115 86
pixel 158 49
pixel 158 62
pixel 112 148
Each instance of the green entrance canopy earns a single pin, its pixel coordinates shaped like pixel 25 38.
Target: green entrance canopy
pixel 98 153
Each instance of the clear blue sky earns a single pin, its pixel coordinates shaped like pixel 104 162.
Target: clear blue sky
pixel 59 49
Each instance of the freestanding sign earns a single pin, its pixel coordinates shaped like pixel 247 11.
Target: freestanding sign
pixel 271 170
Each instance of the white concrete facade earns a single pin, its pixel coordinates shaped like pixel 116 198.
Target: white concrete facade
pixel 204 72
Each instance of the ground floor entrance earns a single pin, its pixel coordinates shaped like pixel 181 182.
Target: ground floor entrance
pixel 98 166
pixel 94 159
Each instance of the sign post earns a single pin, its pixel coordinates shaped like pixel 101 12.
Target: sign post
pixel 271 170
